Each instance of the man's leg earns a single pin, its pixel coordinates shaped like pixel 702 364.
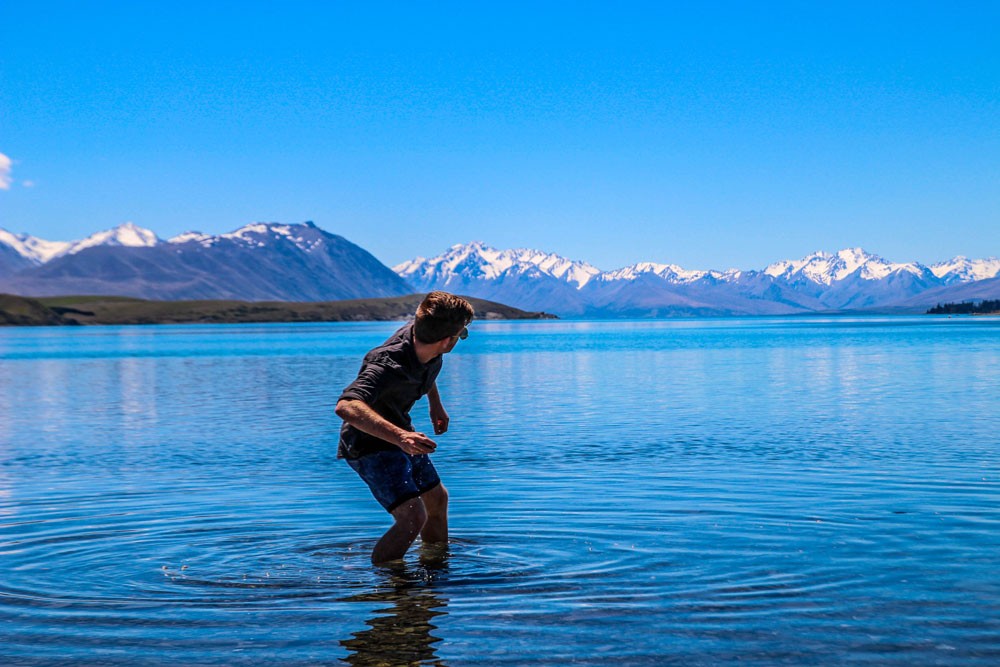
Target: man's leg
pixel 410 518
pixel 436 527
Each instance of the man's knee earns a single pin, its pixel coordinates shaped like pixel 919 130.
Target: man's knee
pixel 411 514
pixel 436 500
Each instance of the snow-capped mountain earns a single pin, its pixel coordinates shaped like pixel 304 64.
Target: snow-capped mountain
pixel 853 278
pixel 848 279
pixel 261 261
pixel 536 279
pixel 301 262
pixel 127 234
pixel 35 250
pixel 962 270
pixel 306 237
pixel 669 272
pixel 40 251
pixel 478 261
pixel 825 268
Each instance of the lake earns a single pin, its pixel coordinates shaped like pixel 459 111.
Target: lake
pixel 693 492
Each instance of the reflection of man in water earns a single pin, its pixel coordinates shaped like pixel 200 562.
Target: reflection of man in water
pixel 377 437
pixel 399 634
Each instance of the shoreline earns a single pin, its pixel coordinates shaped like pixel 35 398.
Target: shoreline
pixel 116 310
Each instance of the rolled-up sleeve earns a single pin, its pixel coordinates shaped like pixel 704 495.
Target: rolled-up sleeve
pixel 371 382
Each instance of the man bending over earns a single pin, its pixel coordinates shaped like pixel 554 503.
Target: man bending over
pixel 377 437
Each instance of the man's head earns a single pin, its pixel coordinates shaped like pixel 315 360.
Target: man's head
pixel 441 316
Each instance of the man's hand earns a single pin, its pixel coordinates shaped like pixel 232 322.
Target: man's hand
pixel 439 418
pixel 414 443
pixel 362 417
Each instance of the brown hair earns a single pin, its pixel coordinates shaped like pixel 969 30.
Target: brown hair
pixel 441 315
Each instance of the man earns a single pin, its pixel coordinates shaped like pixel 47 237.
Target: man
pixel 377 437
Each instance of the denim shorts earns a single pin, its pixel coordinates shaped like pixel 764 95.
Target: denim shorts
pixel 395 476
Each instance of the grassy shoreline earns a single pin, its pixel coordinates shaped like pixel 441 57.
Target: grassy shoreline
pixel 98 310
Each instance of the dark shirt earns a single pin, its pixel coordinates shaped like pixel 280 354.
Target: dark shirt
pixel 391 380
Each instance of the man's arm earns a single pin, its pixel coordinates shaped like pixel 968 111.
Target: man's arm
pixel 439 417
pixel 361 416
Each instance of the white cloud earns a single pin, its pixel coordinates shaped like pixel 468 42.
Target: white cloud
pixel 4 172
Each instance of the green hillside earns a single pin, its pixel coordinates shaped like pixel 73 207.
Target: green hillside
pixel 62 310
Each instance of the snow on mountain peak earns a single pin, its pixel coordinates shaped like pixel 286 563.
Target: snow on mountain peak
pixel 669 272
pixel 37 250
pixel 126 234
pixel 963 269
pixel 131 234
pixel 855 258
pixel 188 237
pixel 825 268
pixel 812 266
pixel 40 251
pixel 247 232
pixel 257 234
pixel 478 260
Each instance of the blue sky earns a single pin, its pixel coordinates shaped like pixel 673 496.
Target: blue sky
pixel 710 135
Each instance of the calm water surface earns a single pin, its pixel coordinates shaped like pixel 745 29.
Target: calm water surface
pixel 696 492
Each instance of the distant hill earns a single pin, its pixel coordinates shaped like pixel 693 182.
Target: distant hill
pixel 970 291
pixel 22 311
pixel 967 308
pixel 70 310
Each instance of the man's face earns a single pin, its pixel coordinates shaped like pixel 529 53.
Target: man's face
pixel 453 340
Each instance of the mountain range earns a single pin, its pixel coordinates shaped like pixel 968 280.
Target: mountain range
pixel 850 279
pixel 301 262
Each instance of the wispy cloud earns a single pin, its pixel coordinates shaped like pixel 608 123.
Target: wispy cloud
pixel 5 180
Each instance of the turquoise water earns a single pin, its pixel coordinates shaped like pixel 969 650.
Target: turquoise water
pixel 696 492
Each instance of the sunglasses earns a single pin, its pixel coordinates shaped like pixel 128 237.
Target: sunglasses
pixel 463 334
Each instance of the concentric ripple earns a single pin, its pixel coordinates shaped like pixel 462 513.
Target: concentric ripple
pixel 764 492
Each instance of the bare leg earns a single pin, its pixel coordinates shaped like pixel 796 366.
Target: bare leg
pixel 410 518
pixel 436 527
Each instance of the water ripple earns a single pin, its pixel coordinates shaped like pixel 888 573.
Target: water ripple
pixel 772 492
